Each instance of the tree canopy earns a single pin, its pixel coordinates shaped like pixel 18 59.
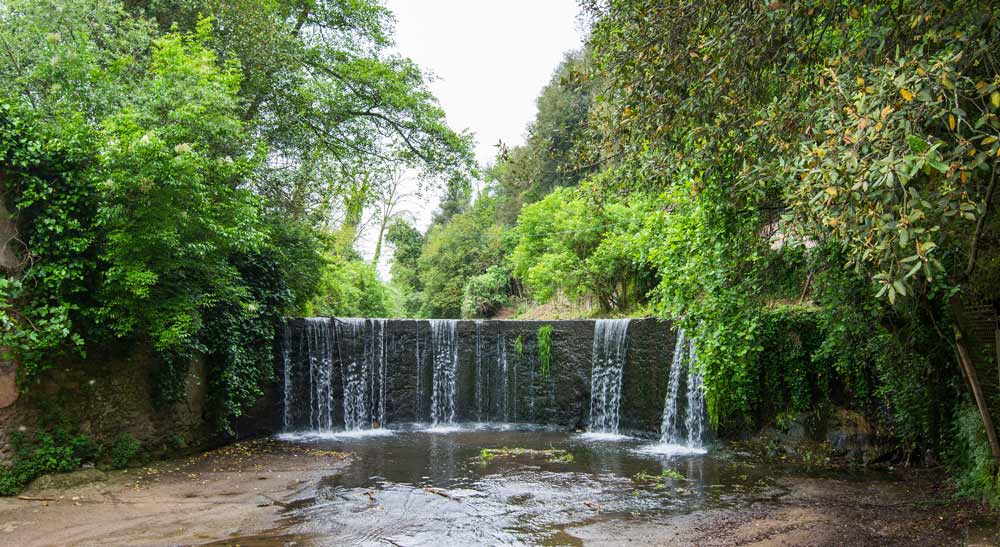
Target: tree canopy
pixel 183 174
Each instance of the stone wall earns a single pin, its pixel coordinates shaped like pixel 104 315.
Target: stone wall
pixel 107 396
pixel 560 398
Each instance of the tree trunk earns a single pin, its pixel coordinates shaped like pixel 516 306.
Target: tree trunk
pixel 378 243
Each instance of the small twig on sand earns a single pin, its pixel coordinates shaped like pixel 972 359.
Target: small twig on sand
pixel 275 502
pixel 440 492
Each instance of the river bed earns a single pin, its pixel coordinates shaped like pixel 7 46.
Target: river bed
pixel 491 484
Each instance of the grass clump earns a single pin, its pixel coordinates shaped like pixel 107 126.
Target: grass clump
pixel 553 455
pixel 545 350
pixel 657 481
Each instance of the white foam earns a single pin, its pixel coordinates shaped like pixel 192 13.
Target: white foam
pixel 602 437
pixel 669 449
pixel 443 429
pixel 335 435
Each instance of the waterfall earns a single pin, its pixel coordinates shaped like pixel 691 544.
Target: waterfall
pixel 319 351
pixel 355 371
pixel 695 418
pixel 607 364
pixel 342 356
pixel 362 365
pixel 671 430
pixel 418 403
pixel 286 370
pixel 379 384
pixel 503 411
pixel 444 345
pixel 479 372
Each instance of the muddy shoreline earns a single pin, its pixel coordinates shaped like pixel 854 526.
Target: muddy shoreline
pixel 265 493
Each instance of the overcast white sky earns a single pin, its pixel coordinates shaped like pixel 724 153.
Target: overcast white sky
pixel 490 59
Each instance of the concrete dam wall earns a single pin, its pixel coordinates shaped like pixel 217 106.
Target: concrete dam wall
pixel 336 373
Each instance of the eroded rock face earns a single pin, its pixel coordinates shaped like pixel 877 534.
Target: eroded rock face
pixel 9 262
pixel 851 435
pixel 8 382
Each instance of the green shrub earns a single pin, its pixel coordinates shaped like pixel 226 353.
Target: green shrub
pixel 545 349
pixel 124 450
pixel 485 293
pixel 58 451
pixel 970 460
pixel 791 378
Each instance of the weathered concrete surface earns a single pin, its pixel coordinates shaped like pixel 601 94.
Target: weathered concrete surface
pixel 8 381
pixel 108 395
pixel 560 398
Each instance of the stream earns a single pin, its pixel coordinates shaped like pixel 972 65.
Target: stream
pixel 415 486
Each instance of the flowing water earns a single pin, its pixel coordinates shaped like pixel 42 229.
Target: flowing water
pixel 319 348
pixel 685 435
pixel 694 419
pixel 459 484
pixel 444 345
pixel 339 378
pixel 503 401
pixel 419 392
pixel 480 381
pixel 354 368
pixel 608 363
pixel 670 429
pixel 419 487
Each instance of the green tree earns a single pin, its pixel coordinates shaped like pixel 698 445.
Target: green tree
pixel 569 244
pixel 454 252
pixel 556 141
pixel 172 208
pixel 351 288
pixel 327 96
pixel 174 171
pixel 864 134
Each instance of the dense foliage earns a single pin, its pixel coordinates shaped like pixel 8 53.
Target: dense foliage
pixel 184 174
pixel 807 187
pixel 851 147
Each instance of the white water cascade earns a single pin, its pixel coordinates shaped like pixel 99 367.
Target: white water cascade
pixel 361 347
pixel 503 401
pixel 444 347
pixel 286 368
pixel 480 389
pixel 675 431
pixel 342 357
pixel 319 348
pixel 607 364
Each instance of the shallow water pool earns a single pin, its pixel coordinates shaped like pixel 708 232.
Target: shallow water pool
pixel 438 486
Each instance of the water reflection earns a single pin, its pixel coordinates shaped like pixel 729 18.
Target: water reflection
pixel 418 487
